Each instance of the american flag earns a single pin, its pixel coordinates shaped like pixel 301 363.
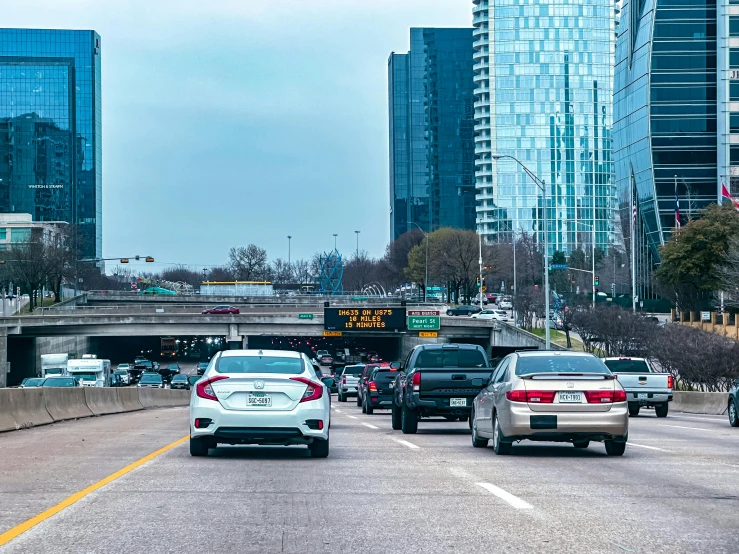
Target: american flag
pixel 725 194
pixel 633 213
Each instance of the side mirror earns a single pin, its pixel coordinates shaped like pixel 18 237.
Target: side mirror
pixel 397 366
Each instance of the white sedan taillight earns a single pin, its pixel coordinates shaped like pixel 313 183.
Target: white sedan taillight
pixel 204 390
pixel 313 392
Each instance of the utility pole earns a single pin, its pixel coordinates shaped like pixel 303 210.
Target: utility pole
pixel 289 245
pixel 357 232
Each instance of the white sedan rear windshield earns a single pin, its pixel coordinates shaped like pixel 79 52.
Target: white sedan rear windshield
pixel 259 364
pixel 559 364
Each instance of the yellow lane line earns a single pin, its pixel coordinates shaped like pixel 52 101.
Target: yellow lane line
pixel 21 528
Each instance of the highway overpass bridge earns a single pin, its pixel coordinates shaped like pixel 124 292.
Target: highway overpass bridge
pixel 122 329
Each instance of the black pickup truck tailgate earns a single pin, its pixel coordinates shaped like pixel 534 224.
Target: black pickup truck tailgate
pixel 452 382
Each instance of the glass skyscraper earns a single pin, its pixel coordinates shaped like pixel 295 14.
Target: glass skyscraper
pixel 50 129
pixel 544 82
pixel 432 148
pixel 676 106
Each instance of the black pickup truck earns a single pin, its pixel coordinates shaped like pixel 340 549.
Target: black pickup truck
pixel 438 380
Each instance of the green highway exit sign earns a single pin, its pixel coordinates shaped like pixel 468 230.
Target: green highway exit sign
pixel 424 323
pixel 305 316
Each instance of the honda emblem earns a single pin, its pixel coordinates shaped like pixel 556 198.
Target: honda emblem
pixel 258 384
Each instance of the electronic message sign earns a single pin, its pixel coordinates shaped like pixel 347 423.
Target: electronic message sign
pixel 364 319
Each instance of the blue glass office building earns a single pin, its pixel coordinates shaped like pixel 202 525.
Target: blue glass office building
pixel 50 129
pixel 432 148
pixel 544 82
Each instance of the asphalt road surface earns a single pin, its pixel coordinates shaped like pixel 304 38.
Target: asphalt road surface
pixel 676 490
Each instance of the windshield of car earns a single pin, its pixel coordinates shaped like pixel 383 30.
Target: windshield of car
pixel 33 382
pixel 259 364
pixel 353 370
pixel 627 366
pixel 384 374
pixel 123 366
pixel 442 357
pixel 173 366
pixel 178 378
pixel 151 378
pixel 121 372
pixel 60 382
pixel 559 364
pixel 86 376
pixel 53 371
pixel 501 312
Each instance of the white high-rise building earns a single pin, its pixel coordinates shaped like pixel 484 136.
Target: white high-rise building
pixel 544 88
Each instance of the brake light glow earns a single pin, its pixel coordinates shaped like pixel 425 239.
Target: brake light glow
pixel 343 380
pixel 372 386
pixel 416 382
pixel 540 396
pixel 670 381
pixel 619 395
pixel 516 395
pixel 313 392
pixel 203 389
pixel 599 396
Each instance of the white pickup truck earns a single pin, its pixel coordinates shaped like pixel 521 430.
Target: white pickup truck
pixel 644 388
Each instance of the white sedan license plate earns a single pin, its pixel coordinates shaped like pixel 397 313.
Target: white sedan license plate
pixel 570 397
pixel 457 402
pixel 258 399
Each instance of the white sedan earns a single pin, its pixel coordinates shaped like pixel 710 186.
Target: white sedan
pixel 260 397
pixel 495 315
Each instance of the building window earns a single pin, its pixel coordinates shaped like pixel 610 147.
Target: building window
pixel 3 233
pixel 20 235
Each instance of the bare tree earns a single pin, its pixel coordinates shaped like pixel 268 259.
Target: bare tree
pixel 221 274
pixel 281 272
pixel 249 264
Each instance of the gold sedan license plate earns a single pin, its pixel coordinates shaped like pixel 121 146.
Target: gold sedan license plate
pixel 570 397
pixel 258 399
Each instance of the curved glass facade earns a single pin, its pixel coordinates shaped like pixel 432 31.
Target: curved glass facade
pixel 50 128
pixel 544 72
pixel 667 125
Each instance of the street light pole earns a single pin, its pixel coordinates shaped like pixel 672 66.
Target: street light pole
pixel 335 235
pixel 542 186
pixel 357 232
pixel 289 245
pixel 515 311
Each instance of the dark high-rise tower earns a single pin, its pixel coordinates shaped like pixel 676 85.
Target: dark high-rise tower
pixel 50 129
pixel 432 136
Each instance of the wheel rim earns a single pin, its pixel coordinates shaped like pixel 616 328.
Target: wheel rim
pixel 496 431
pixel 474 428
pixel 732 412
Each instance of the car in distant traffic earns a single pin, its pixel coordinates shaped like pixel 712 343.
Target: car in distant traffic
pixel 378 394
pixel 61 382
pixel 645 388
pixel 180 382
pixel 151 380
pixel 363 382
pixel 30 382
pixel 158 290
pixel 495 315
pixel 551 396
pixel 222 310
pixel 733 408
pixel 348 380
pixel 321 353
pixel 505 303
pixel 260 397
pixel 326 360
pixel 202 366
pixel 463 310
pixel 124 377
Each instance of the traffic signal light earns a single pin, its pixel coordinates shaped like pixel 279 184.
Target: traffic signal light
pixel 597 280
pixel 149 259
pixel 124 260
pixel 478 282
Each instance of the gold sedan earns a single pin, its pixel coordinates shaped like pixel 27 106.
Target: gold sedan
pixel 551 396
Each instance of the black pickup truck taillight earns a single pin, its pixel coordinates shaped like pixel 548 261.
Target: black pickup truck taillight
pixel 416 381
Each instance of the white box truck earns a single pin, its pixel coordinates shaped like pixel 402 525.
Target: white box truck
pixel 93 372
pixel 54 365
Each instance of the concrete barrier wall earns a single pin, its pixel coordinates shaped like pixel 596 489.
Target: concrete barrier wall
pixel 715 403
pixel 21 408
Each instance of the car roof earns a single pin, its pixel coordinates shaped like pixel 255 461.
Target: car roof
pixel 625 358
pixel 255 352
pixel 543 353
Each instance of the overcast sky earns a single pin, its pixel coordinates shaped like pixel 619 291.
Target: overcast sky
pixel 229 122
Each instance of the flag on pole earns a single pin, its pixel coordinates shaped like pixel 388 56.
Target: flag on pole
pixel 633 214
pixel 725 194
pixel 677 207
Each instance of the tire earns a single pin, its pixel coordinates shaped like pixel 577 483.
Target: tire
pixel 342 398
pixel 199 446
pixel 397 418
pixel 580 444
pixel 449 312
pixel 633 411
pixel 368 409
pixel 733 414
pixel 409 421
pixel 500 445
pixel 359 400
pixel 662 410
pixel 614 448
pixel 319 448
pixel 477 442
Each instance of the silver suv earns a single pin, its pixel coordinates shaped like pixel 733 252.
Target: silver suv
pixel 348 380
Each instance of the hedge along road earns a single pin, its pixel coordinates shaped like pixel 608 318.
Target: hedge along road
pixel 675 490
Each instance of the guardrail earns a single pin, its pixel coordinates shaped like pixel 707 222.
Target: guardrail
pixel 23 408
